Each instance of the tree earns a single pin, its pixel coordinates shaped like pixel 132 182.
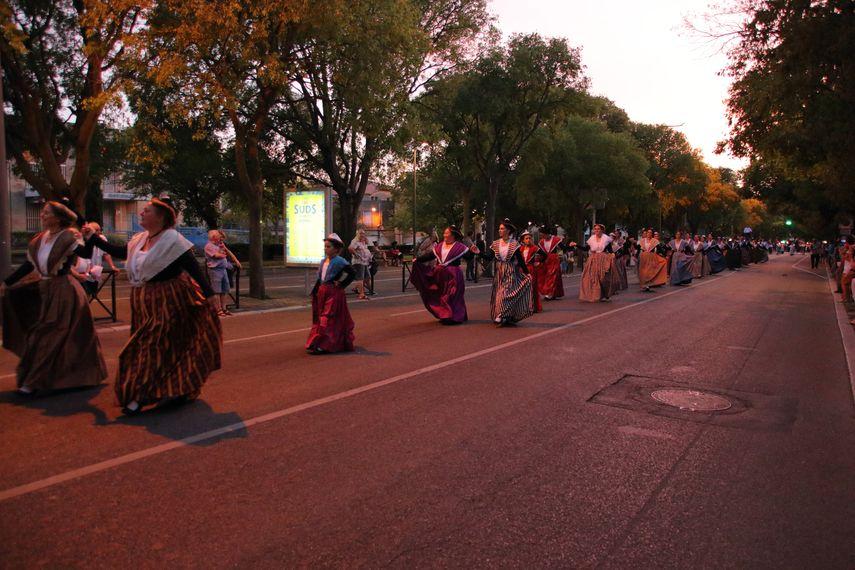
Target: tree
pixel 59 74
pixel 566 169
pixel 350 100
pixel 792 101
pixel 676 171
pixel 228 60
pixel 494 108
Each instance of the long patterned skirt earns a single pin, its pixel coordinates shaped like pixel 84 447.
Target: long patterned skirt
pixel 620 272
pixel 681 268
pixel 442 291
pixel 511 299
pixel 176 343
pixel 534 271
pixel 332 326
pixel 599 277
pixel 652 269
pixel 716 261
pixel 549 282
pixel 697 265
pixel 61 350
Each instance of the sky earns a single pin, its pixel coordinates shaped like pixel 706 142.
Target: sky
pixel 639 54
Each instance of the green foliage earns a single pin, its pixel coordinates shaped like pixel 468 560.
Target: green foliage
pixel 566 170
pixel 491 110
pixel 792 105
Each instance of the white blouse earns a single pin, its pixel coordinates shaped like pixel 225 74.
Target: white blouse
pixel 137 260
pixel 42 256
pixel 446 249
pixel 504 246
pixel 599 245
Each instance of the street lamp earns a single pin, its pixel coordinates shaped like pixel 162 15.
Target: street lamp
pixel 789 222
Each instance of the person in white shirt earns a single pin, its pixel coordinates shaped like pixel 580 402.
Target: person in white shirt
pixel 360 260
pixel 599 278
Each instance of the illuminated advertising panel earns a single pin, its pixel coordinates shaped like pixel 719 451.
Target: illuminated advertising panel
pixel 308 220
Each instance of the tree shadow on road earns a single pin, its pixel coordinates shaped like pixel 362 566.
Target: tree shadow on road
pixel 194 419
pixel 62 403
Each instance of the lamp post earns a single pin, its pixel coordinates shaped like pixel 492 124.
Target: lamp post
pixel 415 158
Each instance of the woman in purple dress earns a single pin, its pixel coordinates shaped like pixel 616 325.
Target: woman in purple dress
pixel 442 284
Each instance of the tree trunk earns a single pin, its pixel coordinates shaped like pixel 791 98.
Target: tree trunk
pixel 256 243
pixel 492 195
pixel 466 199
pixel 252 186
pixel 347 214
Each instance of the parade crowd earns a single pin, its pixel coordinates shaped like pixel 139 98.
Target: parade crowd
pixel 176 339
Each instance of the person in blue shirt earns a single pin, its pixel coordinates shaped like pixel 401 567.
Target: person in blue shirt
pixel 332 326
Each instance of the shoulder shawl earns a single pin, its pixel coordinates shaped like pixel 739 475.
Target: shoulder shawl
pixel 170 246
pixel 63 246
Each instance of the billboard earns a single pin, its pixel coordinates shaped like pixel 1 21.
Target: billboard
pixel 308 220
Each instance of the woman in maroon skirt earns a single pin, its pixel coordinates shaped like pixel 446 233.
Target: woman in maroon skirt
pixel 332 327
pixel 534 257
pixel 176 339
pixel 442 286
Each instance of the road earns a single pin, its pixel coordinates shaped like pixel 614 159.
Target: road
pixel 430 446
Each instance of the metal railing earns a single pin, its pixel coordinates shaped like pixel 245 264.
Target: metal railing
pixel 96 295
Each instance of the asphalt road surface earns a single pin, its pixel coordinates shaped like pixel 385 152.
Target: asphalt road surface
pixel 542 445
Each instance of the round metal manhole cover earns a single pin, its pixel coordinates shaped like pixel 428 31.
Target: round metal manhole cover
pixel 692 400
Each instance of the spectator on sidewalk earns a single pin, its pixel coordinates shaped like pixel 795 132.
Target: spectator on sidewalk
pixel 218 263
pixel 360 260
pixel 815 253
pixel 847 270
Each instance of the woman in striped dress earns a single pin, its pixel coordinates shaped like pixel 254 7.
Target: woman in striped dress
pixel 176 339
pixel 511 300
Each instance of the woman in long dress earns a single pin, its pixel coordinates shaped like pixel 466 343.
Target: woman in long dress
pixel 442 286
pixel 681 259
pixel 176 339
pixel 332 325
pixel 534 258
pixel 620 249
pixel 698 258
pixel 56 338
pixel 511 298
pixel 549 281
pixel 652 263
pixel 714 254
pixel 598 276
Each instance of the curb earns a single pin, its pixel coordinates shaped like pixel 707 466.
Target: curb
pixel 847 336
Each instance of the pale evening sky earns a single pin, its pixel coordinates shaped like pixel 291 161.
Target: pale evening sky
pixel 639 54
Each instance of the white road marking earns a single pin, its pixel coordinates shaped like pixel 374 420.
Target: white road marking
pixel 422 310
pixel 794 266
pixel 246 338
pixel 239 426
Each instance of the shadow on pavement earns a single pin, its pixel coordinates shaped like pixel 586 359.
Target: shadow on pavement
pixel 180 421
pixel 62 403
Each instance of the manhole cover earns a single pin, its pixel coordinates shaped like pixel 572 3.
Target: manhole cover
pixel 692 400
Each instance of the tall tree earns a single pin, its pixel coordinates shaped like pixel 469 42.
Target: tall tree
pixel 350 99
pixel 792 101
pixel 231 60
pixel 676 171
pixel 567 168
pixel 495 107
pixel 59 73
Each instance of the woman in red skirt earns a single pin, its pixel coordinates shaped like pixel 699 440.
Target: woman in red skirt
pixel 176 340
pixel 332 327
pixel 533 257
